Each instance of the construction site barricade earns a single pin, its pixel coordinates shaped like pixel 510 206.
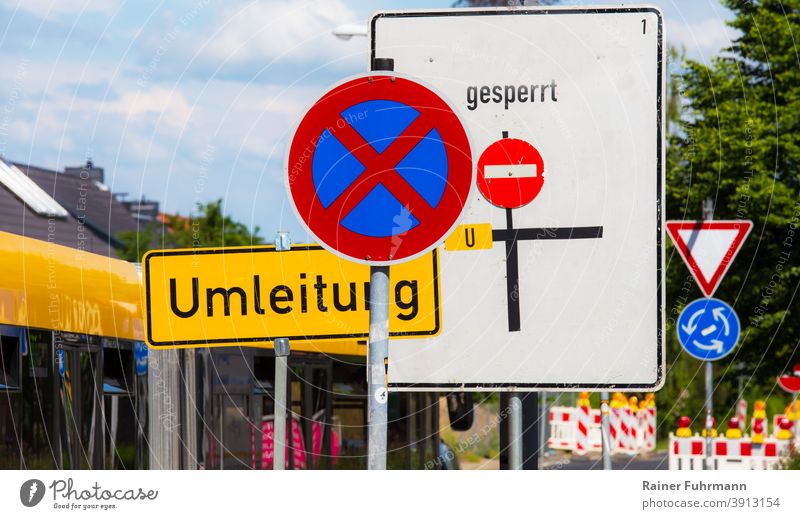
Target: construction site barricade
pixel 726 453
pixel 563 428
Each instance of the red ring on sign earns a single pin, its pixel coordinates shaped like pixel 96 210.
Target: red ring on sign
pixel 435 223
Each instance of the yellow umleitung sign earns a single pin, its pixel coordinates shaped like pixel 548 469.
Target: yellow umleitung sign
pixel 472 236
pixel 253 295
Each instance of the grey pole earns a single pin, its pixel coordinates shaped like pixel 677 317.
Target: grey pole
pixel 796 419
pixel 378 356
pixel 282 349
pixel 378 349
pixel 708 214
pixel 544 423
pixel 190 408
pixel 605 430
pixel 164 418
pixel 515 432
pixel 709 414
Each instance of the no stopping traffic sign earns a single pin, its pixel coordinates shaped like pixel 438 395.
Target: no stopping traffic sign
pixel 380 169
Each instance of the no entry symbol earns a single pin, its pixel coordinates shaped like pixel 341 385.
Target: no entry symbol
pixel 510 173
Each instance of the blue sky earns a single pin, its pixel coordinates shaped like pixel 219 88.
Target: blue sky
pixel 186 101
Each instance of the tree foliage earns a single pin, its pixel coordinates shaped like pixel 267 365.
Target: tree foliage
pixel 738 142
pixel 208 227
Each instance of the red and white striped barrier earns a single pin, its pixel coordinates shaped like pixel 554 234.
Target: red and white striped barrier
pixel 584 423
pixel 647 425
pixel 741 414
pixel 615 430
pixel 686 453
pixel 726 453
pixel 578 429
pixel 633 443
pixel 563 428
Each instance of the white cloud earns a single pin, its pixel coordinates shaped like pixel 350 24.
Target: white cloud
pixel 703 39
pixel 169 105
pixel 269 30
pixel 49 8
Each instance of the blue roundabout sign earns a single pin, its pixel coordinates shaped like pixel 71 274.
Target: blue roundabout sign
pixel 708 329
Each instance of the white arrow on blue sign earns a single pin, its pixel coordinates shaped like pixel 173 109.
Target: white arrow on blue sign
pixel 708 329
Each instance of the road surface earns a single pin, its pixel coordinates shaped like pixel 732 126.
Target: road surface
pixel 653 461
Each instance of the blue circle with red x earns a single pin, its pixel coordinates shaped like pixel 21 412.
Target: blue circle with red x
pixel 381 124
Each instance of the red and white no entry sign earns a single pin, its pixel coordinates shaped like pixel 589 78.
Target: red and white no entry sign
pixel 510 173
pixel 380 169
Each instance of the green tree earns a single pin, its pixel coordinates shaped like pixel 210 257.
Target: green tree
pixel 208 227
pixel 738 143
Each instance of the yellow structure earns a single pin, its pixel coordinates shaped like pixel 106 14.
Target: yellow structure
pixel 473 236
pixel 48 286
pixel 252 295
pixel 683 428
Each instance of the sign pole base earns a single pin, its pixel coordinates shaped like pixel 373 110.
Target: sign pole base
pixel 515 432
pixel 282 349
pixel 709 414
pixel 377 359
pixel 605 430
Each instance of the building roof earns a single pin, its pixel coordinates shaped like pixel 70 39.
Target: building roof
pixel 93 219
pixel 18 218
pixel 87 200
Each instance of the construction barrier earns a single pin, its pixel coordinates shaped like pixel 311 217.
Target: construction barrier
pixel 741 414
pixel 578 429
pixel 726 454
pixel 647 425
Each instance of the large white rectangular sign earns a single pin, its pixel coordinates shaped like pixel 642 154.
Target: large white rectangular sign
pixel 564 108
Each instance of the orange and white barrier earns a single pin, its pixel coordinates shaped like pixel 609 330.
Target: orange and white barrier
pixel 615 430
pixel 563 428
pixel 647 424
pixel 584 423
pixel 686 453
pixel 741 414
pixel 726 454
pixel 578 429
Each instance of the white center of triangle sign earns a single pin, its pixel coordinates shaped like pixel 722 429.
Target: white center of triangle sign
pixel 708 247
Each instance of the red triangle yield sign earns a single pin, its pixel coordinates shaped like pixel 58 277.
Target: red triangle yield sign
pixel 708 247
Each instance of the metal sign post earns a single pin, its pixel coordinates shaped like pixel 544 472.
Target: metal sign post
pixel 378 357
pixel 708 214
pixel 515 432
pixel 378 349
pixel 282 349
pixel 709 414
